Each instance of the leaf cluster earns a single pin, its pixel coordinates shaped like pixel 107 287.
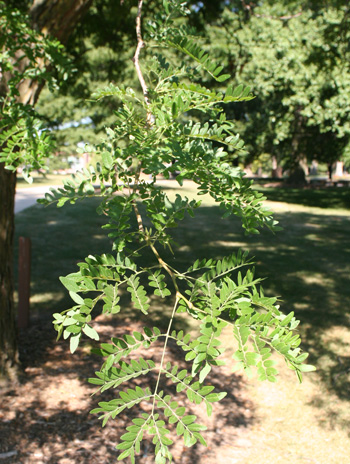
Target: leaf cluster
pixel 25 56
pixel 160 136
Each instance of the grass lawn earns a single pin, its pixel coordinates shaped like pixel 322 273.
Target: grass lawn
pixel 40 180
pixel 307 265
pixel 331 197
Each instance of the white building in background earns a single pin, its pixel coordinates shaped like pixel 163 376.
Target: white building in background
pixel 77 163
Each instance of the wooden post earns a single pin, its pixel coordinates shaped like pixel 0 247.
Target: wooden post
pixel 24 282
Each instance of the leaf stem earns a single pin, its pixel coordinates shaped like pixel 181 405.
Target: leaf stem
pixel 167 268
pixel 161 370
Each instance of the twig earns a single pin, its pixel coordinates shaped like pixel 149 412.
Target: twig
pixel 140 45
pixel 149 118
pixel 164 350
pixel 165 267
pixel 138 217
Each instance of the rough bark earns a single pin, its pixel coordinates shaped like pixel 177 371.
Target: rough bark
pixel 8 332
pixel 57 18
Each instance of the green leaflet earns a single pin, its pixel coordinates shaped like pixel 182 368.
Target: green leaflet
pixel 156 281
pixel 190 48
pixel 138 294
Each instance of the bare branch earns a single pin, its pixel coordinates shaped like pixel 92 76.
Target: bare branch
pixel 140 45
pixel 139 218
pixel 150 117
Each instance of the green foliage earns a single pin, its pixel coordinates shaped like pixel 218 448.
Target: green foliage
pixel 100 48
pixel 157 136
pixel 297 55
pixel 24 56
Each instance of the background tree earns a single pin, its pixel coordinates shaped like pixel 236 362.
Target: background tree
pixel 296 56
pixel 25 55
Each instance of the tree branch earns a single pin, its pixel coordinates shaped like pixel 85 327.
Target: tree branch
pixel 140 45
pixel 150 117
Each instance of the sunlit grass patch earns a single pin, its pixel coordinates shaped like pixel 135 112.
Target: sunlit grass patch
pixel 39 180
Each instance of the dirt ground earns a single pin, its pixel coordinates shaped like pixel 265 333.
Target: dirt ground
pixel 45 418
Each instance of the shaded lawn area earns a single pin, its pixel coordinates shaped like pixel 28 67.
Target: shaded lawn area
pixel 331 197
pixel 61 237
pixel 307 265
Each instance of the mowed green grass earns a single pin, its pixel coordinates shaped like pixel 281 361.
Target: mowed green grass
pixel 331 197
pixel 40 180
pixel 61 237
pixel 307 265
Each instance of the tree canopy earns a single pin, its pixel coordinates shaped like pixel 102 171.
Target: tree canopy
pixel 101 48
pixel 28 49
pixel 296 57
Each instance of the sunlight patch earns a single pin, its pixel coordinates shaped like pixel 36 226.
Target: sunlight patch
pixel 316 278
pixel 228 244
pixel 45 297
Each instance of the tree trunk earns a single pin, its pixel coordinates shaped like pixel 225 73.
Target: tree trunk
pixel 339 169
pixel 330 170
pixel 8 329
pixel 57 18
pixel 276 168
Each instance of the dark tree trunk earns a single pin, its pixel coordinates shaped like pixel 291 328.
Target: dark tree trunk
pixel 297 177
pixel 330 171
pixel 57 18
pixel 8 329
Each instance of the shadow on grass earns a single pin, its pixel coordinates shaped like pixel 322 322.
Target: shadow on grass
pixel 307 265
pixel 332 197
pixel 61 237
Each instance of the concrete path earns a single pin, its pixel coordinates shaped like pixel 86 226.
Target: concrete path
pixel 27 197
